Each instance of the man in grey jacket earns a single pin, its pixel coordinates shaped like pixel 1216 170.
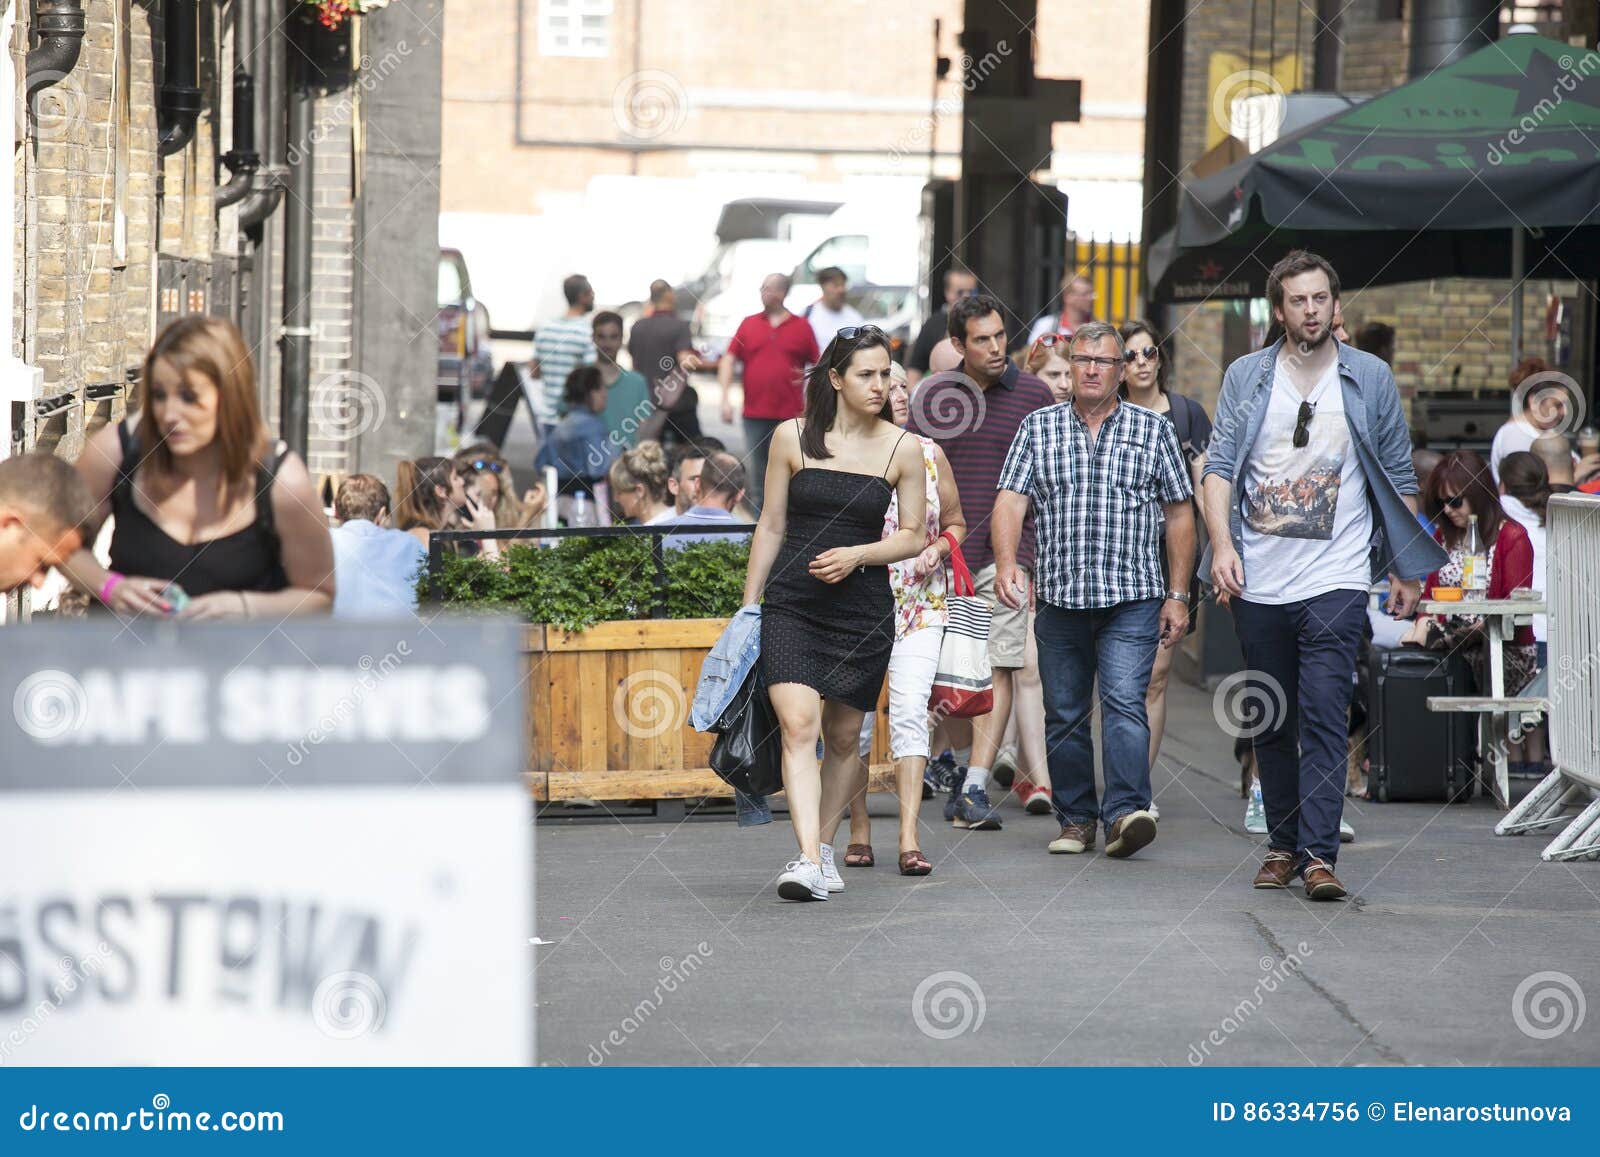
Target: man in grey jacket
pixel 1309 498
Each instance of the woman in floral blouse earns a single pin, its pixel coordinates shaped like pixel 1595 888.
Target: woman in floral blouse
pixel 919 585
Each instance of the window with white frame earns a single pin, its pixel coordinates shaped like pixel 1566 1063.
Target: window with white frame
pixel 575 27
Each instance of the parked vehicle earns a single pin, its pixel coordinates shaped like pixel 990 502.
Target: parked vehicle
pixel 465 363
pixel 876 244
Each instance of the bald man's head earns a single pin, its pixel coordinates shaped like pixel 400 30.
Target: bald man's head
pixel 1555 451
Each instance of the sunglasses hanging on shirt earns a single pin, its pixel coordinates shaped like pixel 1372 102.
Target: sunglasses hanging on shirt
pixel 1302 426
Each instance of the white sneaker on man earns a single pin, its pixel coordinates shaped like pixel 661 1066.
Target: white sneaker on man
pixel 802 880
pixel 1347 834
pixel 1155 812
pixel 830 873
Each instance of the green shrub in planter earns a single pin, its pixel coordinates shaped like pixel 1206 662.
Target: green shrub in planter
pixel 583 581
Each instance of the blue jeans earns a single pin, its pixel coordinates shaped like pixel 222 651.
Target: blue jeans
pixel 1302 659
pixel 758 434
pixel 1117 643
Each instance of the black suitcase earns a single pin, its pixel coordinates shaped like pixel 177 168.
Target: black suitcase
pixel 1418 754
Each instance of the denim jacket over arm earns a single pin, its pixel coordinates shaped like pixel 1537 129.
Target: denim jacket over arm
pixel 1378 431
pixel 722 674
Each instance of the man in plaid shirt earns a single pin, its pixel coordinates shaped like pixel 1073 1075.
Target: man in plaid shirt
pixel 1101 476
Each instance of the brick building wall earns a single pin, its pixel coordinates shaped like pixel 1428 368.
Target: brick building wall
pixel 759 75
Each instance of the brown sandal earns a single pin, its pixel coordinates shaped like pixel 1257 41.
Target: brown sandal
pixel 859 856
pixel 914 863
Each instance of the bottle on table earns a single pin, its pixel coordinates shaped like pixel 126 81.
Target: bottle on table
pixel 1475 564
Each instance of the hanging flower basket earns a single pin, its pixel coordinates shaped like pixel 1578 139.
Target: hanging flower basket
pixel 331 14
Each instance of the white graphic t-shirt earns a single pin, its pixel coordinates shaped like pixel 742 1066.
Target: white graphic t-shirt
pixel 1307 521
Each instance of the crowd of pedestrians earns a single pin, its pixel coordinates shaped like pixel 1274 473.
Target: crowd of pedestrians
pixel 1071 480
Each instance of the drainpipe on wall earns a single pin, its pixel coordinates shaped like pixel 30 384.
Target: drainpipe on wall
pixel 242 160
pixel 181 98
pixel 20 384
pixel 57 32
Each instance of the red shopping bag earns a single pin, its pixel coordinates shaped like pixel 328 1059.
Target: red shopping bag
pixel 963 685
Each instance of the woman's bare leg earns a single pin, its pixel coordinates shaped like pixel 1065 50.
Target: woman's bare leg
pixel 799 711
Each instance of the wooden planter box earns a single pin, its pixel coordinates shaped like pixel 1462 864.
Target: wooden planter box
pixel 608 712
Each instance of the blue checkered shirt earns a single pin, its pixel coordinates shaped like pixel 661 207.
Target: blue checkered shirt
pixel 1098 502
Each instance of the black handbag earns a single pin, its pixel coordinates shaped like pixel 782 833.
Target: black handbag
pixel 748 753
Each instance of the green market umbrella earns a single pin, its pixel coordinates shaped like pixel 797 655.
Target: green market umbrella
pixel 1428 180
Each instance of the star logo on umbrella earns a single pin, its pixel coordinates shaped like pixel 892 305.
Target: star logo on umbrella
pixel 1540 81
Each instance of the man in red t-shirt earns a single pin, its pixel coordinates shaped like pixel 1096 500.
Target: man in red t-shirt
pixel 775 346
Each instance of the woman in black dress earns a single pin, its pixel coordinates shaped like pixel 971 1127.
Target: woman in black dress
pixel 827 621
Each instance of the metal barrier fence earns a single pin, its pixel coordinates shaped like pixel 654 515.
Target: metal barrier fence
pixel 440 539
pixel 1572 533
pixel 1113 268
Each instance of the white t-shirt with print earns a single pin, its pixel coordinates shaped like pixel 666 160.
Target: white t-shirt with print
pixel 1307 520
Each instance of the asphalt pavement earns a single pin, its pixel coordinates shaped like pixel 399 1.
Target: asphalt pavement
pixel 667 943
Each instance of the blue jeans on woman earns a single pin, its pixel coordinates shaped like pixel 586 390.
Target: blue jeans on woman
pixel 1118 644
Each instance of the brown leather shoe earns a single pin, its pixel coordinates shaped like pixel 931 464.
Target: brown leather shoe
pixel 1321 883
pixel 1074 838
pixel 1276 870
pixel 1130 833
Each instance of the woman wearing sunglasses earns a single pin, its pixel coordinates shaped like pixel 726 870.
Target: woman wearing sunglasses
pixel 1047 360
pixel 819 563
pixel 1460 487
pixel 1144 383
pixel 481 462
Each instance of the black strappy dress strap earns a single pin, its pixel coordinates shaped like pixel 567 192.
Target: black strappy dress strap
pixel 893 452
pixel 801 440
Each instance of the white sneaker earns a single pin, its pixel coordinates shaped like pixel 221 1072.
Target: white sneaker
pixel 802 880
pixel 1255 813
pixel 830 873
pixel 1155 812
pixel 1347 834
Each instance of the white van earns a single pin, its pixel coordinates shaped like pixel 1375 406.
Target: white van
pixel 877 244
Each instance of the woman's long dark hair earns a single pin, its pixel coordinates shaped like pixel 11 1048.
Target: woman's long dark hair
pixel 1464 472
pixel 822 400
pixel 1126 331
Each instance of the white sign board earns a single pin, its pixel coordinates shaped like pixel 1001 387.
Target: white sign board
pixel 220 848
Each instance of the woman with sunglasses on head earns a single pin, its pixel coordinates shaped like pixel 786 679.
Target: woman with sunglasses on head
pixel 819 558
pixel 1144 383
pixel 920 585
pixel 497 488
pixel 1460 489
pixel 431 494
pixel 1047 360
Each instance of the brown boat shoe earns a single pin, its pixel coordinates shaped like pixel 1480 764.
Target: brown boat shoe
pixel 1276 870
pixel 1321 883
